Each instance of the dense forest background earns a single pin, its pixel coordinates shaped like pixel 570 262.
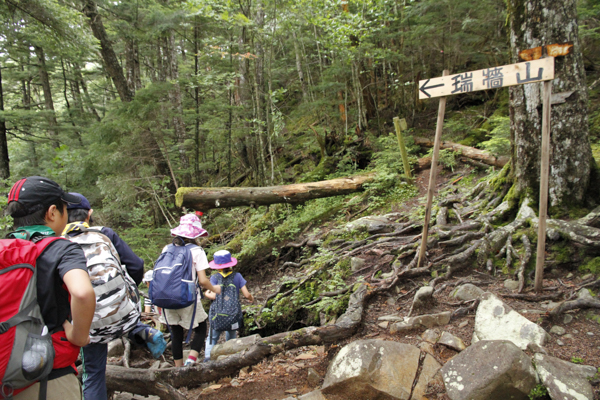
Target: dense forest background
pixel 125 101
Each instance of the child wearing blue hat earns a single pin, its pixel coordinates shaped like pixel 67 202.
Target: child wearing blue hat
pixel 225 312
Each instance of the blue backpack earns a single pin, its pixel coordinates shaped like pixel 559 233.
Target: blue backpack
pixel 226 311
pixel 172 286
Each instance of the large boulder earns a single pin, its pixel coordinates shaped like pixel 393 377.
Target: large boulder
pixel 495 320
pixel 233 346
pixel 373 369
pixel 564 380
pixel 489 370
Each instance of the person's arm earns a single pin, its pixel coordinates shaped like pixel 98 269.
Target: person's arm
pixel 134 264
pixel 206 284
pixel 247 294
pixel 210 295
pixel 83 305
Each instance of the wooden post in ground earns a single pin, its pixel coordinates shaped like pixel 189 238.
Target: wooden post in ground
pixel 400 125
pixel 544 172
pixel 433 174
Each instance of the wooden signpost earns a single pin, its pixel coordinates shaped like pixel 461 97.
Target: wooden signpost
pixel 536 70
pixel 400 125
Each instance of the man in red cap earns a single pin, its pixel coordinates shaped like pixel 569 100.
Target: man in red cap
pixel 65 295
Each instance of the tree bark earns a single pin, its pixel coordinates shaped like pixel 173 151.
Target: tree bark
pixel 4 159
pixel 536 23
pixel 48 102
pixel 111 61
pixel 208 198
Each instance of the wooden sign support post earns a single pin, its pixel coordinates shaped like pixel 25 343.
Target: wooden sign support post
pixel 531 71
pixel 544 172
pixel 400 125
pixel 433 174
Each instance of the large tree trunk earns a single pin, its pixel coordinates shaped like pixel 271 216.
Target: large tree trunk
pixel 4 160
pixel 207 198
pixel 111 61
pixel 48 102
pixel 536 23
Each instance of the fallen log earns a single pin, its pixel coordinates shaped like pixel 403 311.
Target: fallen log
pixel 206 198
pixel 466 151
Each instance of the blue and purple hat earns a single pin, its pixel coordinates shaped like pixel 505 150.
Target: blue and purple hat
pixel 222 259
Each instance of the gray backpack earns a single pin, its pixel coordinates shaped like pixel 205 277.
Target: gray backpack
pixel 117 297
pixel 226 311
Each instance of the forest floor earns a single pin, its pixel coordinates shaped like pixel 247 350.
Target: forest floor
pixel 302 370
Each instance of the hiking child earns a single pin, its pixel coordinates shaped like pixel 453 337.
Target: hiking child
pixel 94 355
pixel 225 311
pixel 191 317
pixel 64 292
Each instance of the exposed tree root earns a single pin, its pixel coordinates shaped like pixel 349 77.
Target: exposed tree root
pixel 532 297
pixel 573 304
pixel 524 261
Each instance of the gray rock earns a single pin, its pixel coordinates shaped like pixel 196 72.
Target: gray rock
pixel 587 276
pixel 391 301
pixel 567 319
pixel 423 297
pixel 584 294
pixel 115 348
pixel 463 324
pixel 233 346
pixel 421 322
pixel 495 320
pixel 383 324
pixel 467 292
pixel 372 369
pixel 451 341
pixel 372 224
pixel 313 377
pixel 356 263
pixel 568 336
pixel 564 380
pixel 429 372
pixel 558 330
pixel 560 342
pixel 489 370
pixel 511 285
pixel 427 348
pixel 431 335
pixel 314 395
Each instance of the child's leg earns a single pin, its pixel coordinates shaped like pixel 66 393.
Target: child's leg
pixel 210 343
pixel 197 341
pixel 230 335
pixel 177 344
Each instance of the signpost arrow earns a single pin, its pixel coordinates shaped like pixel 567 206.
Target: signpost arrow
pixel 425 87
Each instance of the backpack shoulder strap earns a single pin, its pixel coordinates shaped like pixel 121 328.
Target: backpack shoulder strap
pixel 42 244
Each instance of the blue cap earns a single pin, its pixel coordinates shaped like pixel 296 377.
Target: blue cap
pixel 84 203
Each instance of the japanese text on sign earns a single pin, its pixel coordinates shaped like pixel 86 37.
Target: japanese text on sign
pixel 489 78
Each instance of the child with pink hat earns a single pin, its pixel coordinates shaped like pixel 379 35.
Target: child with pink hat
pixel 190 229
pixel 227 302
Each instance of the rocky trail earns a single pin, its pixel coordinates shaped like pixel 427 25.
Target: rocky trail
pixel 430 324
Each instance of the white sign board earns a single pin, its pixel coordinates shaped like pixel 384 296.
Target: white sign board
pixel 489 78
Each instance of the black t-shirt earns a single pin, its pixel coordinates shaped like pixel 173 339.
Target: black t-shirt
pixel 60 257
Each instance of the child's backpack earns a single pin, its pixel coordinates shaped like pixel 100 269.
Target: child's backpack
pixel 172 286
pixel 26 351
pixel 117 297
pixel 226 311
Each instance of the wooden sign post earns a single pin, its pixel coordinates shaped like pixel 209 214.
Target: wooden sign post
pixel 400 125
pixel 491 78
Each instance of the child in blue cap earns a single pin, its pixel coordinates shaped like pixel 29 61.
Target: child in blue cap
pixel 228 302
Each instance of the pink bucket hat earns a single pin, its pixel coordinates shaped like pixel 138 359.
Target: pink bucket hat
pixel 189 227
pixel 222 259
